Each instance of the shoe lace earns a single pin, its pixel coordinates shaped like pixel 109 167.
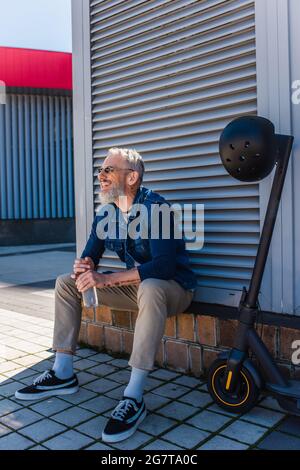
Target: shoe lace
pixel 42 377
pixel 122 409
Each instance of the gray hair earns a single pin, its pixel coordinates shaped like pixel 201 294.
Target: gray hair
pixel 134 159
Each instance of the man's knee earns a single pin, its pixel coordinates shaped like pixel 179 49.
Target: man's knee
pixel 64 280
pixel 151 289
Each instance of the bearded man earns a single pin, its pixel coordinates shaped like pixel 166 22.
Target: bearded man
pixel 158 282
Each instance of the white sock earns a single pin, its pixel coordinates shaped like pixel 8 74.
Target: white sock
pixel 135 388
pixel 63 365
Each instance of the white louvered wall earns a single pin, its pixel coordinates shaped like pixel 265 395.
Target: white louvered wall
pixel 167 76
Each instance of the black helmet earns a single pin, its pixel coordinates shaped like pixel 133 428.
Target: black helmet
pixel 247 148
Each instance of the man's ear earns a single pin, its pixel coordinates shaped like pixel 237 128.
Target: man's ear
pixel 133 178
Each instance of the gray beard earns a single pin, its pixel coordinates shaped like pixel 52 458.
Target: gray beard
pixel 110 196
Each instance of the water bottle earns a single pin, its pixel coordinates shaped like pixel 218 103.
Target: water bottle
pixel 90 297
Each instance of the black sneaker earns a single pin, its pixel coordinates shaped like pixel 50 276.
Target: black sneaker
pixel 125 418
pixel 48 385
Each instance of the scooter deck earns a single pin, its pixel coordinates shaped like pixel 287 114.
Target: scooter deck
pixel 292 389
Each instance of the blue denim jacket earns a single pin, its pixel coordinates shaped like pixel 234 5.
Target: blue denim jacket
pixel 155 258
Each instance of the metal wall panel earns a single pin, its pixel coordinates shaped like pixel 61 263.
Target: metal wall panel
pixel 36 157
pixel 167 76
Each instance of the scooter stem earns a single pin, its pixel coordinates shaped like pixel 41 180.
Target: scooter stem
pixel 284 146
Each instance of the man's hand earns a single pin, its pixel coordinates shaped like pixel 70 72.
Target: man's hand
pixel 81 266
pixel 91 279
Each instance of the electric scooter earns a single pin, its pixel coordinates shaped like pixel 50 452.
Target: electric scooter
pixel 249 149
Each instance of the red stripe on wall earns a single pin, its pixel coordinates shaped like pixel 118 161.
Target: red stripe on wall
pixel 35 68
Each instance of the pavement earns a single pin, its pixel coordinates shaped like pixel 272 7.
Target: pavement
pixel 181 414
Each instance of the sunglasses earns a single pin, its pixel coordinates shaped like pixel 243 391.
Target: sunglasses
pixel 111 169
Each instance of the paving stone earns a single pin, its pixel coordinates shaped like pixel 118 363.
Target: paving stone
pixel 39 447
pixel 279 441
pixel 186 436
pixel 45 354
pixel 69 440
pixel 28 360
pixel 159 444
pixel 99 404
pixel 85 352
pixel 101 357
pixel 73 416
pixel 291 425
pixel 244 432
pixel 21 373
pixel 4 430
pixel 83 364
pixel 171 390
pixel 151 384
pixel 10 353
pixel 8 406
pixel 102 369
pixel 4 379
pixel 43 365
pixel 122 376
pixel 85 378
pixel 14 441
pixel 222 443
pixel 7 366
pixel 8 390
pixel 122 363
pixel 155 424
pixel 99 446
pixel 79 397
pixel 116 393
pixel 197 399
pixel 42 430
pixel 93 428
pixel 134 442
pixel 177 410
pixel 50 406
pixel 21 418
pixel 153 401
pixel 187 381
pixel 217 409
pixel 164 374
pixel 263 417
pixel 209 421
pixel 101 385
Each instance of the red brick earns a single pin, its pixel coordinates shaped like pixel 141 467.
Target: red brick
pixel 103 314
pixel 121 318
pixel 185 326
pixel 88 314
pixel 159 358
pixel 206 330
pixel 228 329
pixel 196 361
pixel 269 338
pixel 95 335
pixel 127 341
pixel 287 337
pixel 209 357
pixel 83 333
pixel 177 355
pixel 170 328
pixel 112 337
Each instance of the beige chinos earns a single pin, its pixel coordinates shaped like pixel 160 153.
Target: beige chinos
pixel 154 299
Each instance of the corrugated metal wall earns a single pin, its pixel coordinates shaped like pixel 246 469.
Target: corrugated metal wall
pixel 36 157
pixel 167 76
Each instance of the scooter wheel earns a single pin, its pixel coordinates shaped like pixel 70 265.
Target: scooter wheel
pixel 242 399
